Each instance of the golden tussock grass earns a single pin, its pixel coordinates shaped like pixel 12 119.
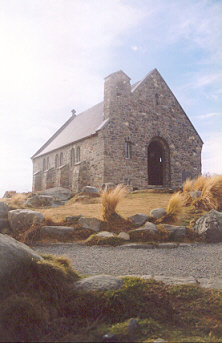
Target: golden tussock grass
pixel 110 200
pixel 175 208
pixel 211 197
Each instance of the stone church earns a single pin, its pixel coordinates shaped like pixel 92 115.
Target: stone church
pixel 139 136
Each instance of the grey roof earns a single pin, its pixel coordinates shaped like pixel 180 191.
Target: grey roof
pixel 76 128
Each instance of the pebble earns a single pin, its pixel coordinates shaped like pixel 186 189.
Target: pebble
pixel 193 260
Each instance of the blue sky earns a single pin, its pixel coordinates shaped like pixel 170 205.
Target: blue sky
pixel 55 55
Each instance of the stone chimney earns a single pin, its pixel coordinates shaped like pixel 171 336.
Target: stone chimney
pixel 117 90
pixel 73 113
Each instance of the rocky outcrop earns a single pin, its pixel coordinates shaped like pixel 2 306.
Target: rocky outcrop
pixel 175 231
pixel 56 230
pixel 20 219
pixel 3 210
pixel 58 193
pixel 210 225
pixel 139 219
pixel 90 223
pixel 13 254
pixel 157 213
pixel 147 227
pixel 105 234
pixel 99 283
pixel 40 201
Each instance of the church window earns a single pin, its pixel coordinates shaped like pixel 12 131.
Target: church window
pixel 44 164
pixel 127 150
pixel 72 157
pixel 157 98
pixel 57 161
pixel 61 159
pixel 78 154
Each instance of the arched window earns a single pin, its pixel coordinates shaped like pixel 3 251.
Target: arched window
pixel 44 164
pixel 78 154
pixel 56 161
pixel 127 148
pixel 47 164
pixel 72 157
pixel 61 159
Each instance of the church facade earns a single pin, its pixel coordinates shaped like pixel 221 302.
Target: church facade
pixel 139 136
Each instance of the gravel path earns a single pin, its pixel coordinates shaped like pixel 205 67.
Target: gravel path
pixel 197 260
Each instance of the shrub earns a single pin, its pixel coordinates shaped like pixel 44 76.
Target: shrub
pixel 110 200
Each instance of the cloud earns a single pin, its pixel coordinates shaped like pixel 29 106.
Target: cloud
pixel 211 155
pixel 134 47
pixel 209 115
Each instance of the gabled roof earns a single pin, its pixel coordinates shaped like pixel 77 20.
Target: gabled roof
pixel 76 128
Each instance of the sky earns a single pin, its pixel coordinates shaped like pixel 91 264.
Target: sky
pixel 55 55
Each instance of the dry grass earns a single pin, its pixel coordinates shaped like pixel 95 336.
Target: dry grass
pixel 211 197
pixel 188 186
pixel 174 209
pixel 110 200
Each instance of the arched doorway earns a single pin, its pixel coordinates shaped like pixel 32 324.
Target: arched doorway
pixel 155 163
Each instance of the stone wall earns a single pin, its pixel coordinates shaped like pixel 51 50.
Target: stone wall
pixel 148 140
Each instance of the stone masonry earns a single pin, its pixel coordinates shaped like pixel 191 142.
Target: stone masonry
pixel 145 139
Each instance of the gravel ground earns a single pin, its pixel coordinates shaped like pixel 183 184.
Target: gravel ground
pixel 197 260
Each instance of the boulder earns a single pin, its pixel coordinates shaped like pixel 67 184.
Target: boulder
pixel 107 186
pixel 90 223
pixel 40 201
pixel 99 283
pixel 124 236
pixel 3 224
pixel 105 234
pixel 90 190
pixel 73 218
pixel 211 225
pixel 148 227
pixel 13 254
pixel 132 326
pixel 139 219
pixel 175 231
pixel 9 194
pixel 3 210
pixel 19 219
pixel 58 193
pixel 56 230
pixel 157 213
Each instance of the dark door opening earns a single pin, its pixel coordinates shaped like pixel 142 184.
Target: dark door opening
pixel 155 163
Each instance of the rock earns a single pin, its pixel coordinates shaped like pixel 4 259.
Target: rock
pixel 3 210
pixel 3 224
pixel 167 246
pixel 170 280
pixel 107 186
pixel 73 218
pixel 159 340
pixel 139 219
pixel 105 234
pixel 56 230
pixel 132 325
pixel 9 194
pixel 195 195
pixel 90 190
pixel 157 213
pixel 90 223
pixel 211 225
pixel 110 337
pixel 137 246
pixel 124 235
pixel 40 201
pixel 13 254
pixel 99 283
pixel 215 283
pixel 19 219
pixel 147 227
pixel 175 231
pixel 58 193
